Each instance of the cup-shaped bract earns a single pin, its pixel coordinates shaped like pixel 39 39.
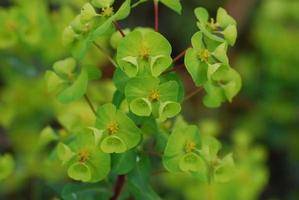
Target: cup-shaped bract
pixel 223 84
pixel 202 54
pixel 119 132
pixel 83 158
pixel 65 82
pixel 144 52
pixel 182 150
pixel 146 96
pixel 224 28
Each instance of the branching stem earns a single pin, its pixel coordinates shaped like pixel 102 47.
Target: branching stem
pixel 118 27
pixel 178 57
pixel 120 182
pixel 103 51
pixel 90 104
pixel 189 96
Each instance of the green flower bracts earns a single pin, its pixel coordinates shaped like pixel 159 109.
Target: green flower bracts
pixel 89 25
pixel 182 150
pixel 65 82
pixel 146 96
pixel 220 170
pixel 224 29
pixel 203 53
pixel 83 158
pixel 207 61
pixel 144 52
pixel 224 83
pixel 119 132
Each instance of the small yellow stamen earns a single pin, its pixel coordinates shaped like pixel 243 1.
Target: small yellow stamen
pixel 204 55
pixel 107 12
pixel 144 52
pixel 84 155
pixel 154 95
pixel 190 146
pixel 213 25
pixel 113 127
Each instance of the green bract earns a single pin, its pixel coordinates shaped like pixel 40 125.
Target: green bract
pixel 220 170
pixel 144 51
pixel 147 96
pixel 84 160
pixel 119 131
pixel 173 4
pixel 223 84
pixel 89 25
pixel 223 29
pixel 7 166
pixel 182 150
pixel 65 82
pixel 203 53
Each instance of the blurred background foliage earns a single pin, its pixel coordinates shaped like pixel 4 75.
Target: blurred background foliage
pixel 260 126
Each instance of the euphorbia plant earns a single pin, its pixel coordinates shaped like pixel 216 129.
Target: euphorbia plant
pixel 148 99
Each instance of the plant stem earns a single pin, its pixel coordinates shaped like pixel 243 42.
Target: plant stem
pixel 175 68
pixel 156 9
pixel 90 104
pixel 189 96
pixel 120 182
pixel 178 57
pixel 118 27
pixel 103 51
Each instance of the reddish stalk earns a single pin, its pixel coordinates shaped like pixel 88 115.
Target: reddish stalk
pixel 195 92
pixel 120 182
pixel 156 8
pixel 118 27
pixel 175 68
pixel 178 57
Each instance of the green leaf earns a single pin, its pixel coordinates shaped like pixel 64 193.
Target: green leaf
pixel 76 90
pixel 173 4
pixel 138 180
pixel 120 79
pixel 123 11
pixel 80 172
pixel 68 36
pixel 118 98
pixel 47 135
pixel 201 14
pixel 123 163
pixel 65 154
pixel 94 73
pixel 7 166
pixel 175 77
pixel 86 191
pixel 113 144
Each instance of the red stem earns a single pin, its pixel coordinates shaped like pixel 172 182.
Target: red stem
pixel 118 27
pixel 120 182
pixel 178 57
pixel 156 6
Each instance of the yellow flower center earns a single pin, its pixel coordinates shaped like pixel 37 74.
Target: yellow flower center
pixel 204 55
pixel 113 127
pixel 84 155
pixel 144 52
pixel 213 25
pixel 154 95
pixel 190 146
pixel 107 12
